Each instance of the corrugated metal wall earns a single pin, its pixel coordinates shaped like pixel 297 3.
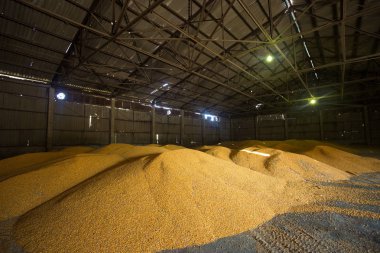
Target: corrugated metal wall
pixel 85 120
pixel 80 124
pixel 168 130
pixel 193 130
pixel 132 126
pixel 211 135
pixel 23 112
pixel 243 128
pixel 225 129
pixel 374 122
pixel 271 127
pixel 303 126
pixel 345 125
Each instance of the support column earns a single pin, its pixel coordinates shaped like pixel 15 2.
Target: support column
pixel 218 129
pixel 257 127
pixel 366 125
pixel 203 129
pixel 182 127
pixel 50 119
pixel 112 121
pixel 322 136
pixel 153 125
pixel 231 130
pixel 286 132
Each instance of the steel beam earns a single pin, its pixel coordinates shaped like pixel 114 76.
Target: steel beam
pixel 153 125
pixel 268 37
pixel 182 127
pixel 195 40
pixel 102 34
pixel 50 119
pixel 366 125
pixel 128 26
pixel 112 122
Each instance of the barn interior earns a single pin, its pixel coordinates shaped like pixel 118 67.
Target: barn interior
pixel 189 126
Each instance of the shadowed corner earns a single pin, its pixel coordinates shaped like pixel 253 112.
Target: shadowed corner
pixel 325 231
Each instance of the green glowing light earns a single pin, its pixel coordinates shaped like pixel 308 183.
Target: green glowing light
pixel 269 58
pixel 313 101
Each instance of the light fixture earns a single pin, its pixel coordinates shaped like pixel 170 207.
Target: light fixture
pixel 168 112
pixel 313 101
pixel 61 96
pixel 259 106
pixel 269 58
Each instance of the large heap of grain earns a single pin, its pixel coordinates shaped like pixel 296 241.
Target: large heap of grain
pixel 337 156
pixel 25 191
pixel 124 198
pixel 286 165
pixel 171 200
pixel 27 162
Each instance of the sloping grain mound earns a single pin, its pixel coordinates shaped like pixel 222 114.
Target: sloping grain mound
pixel 280 164
pixel 220 152
pixel 27 162
pixel 173 147
pixel 291 166
pixel 166 201
pixel 344 161
pixel 25 191
pixel 129 151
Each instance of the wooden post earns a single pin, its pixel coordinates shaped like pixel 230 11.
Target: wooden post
pixel 50 119
pixel 112 121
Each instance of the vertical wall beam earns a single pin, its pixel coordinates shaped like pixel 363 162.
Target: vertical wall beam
pixel 218 129
pixel 231 130
pixel 366 125
pixel 153 125
pixel 182 128
pixel 257 126
pixel 50 119
pixel 112 121
pixel 286 132
pixel 321 133
pixel 203 123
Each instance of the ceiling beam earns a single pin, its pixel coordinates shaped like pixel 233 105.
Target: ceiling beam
pixel 268 38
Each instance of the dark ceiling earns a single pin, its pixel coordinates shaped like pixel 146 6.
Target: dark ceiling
pixel 208 56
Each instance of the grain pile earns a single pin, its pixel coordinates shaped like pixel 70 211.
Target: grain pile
pixel 171 200
pixel 345 161
pixel 129 151
pixel 25 191
pixel 338 157
pixel 220 152
pixel 125 198
pixel 288 166
pixel 27 162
